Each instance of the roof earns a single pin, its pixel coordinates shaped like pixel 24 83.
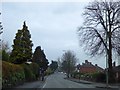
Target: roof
pixel 117 68
pixel 89 65
pixel 99 68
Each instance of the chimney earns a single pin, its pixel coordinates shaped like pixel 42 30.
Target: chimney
pixel 86 61
pixel 114 64
pixel 78 66
pixel 96 65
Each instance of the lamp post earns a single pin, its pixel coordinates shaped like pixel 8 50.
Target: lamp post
pixel 107 78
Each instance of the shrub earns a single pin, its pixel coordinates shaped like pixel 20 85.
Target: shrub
pixel 29 76
pixel 31 71
pixel 12 74
pixel 35 69
pixel 98 77
pixel 49 71
pixel 76 74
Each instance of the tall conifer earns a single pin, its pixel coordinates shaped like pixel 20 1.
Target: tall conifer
pixel 22 47
pixel 40 58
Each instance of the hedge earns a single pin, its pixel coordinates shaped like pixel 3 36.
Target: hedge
pixel 49 71
pixel 35 69
pixel 12 74
pixel 96 77
pixel 31 71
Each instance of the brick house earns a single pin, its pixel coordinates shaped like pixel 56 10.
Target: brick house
pixel 88 67
pixel 117 72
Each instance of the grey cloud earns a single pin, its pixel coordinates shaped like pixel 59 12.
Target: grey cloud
pixel 53 26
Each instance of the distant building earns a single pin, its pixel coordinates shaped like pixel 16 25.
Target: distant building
pixel 88 67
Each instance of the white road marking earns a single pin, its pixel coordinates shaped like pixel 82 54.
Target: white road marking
pixel 45 83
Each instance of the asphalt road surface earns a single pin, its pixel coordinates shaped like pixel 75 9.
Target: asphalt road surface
pixel 57 81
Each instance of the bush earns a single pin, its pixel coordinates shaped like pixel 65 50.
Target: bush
pixel 49 71
pixel 76 74
pixel 98 77
pixel 5 55
pixel 35 69
pixel 12 74
pixel 31 71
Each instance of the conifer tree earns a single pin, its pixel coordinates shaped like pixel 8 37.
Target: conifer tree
pixel 54 65
pixel 37 55
pixel 40 58
pixel 22 47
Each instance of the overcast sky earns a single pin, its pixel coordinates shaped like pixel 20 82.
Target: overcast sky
pixel 53 26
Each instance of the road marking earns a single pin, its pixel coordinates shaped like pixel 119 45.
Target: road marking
pixel 44 85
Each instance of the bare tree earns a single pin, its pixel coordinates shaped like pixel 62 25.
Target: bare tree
pixel 5 50
pixel 101 29
pixel 5 46
pixel 1 26
pixel 59 63
pixel 1 31
pixel 68 62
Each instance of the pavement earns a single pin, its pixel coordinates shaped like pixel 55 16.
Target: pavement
pixel 97 85
pixel 34 84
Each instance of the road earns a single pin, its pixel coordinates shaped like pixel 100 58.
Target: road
pixel 57 81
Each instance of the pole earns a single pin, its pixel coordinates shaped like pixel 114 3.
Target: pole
pixel 106 53
pixel 106 70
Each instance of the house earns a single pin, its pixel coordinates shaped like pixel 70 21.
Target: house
pixel 88 67
pixel 117 72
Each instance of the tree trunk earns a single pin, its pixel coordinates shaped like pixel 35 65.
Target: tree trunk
pixel 110 55
pixel 109 34
pixel 110 69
